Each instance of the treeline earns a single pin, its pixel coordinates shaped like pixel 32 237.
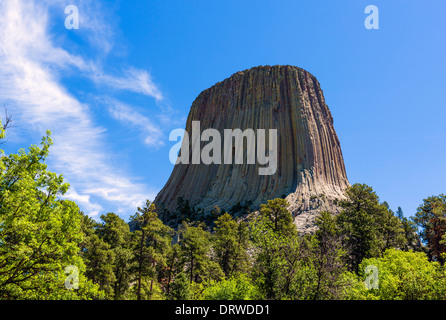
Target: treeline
pixel 49 249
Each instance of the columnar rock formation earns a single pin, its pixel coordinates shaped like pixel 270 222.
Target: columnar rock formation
pixel 310 167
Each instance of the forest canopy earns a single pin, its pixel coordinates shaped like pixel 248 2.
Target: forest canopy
pixel 50 249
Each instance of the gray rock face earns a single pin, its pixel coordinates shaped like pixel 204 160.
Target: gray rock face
pixel 310 167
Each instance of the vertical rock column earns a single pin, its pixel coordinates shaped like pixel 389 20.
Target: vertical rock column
pixel 310 167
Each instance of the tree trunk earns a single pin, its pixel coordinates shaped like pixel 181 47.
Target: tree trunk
pixel 191 266
pixel 138 294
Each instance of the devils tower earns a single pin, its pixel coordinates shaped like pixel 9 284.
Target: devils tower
pixel 310 170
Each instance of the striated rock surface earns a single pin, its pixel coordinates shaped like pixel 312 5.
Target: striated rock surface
pixel 310 167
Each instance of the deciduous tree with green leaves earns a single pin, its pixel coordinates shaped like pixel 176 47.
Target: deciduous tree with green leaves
pixel 40 233
pixel 401 275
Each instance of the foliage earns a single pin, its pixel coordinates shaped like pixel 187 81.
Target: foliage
pixel 231 244
pixel 431 218
pixel 410 232
pixel 326 260
pixel 275 215
pixel 215 256
pixel 235 288
pixel 402 275
pixel 107 252
pixel 99 260
pixel 39 233
pixel 195 250
pixel 277 250
pixel 151 241
pixel 180 288
pixel 305 268
pixel 368 228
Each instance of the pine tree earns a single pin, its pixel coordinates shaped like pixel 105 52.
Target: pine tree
pixel 230 244
pixel 180 288
pixel 431 218
pixel 410 232
pixel 276 216
pixel 173 265
pixel 99 259
pixel 195 249
pixel 116 233
pixel 152 240
pixel 327 259
pixel 368 228
pixel 277 250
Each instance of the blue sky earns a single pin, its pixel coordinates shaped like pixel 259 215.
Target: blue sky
pixel 112 90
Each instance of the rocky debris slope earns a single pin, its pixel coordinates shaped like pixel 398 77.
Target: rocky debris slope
pixel 310 167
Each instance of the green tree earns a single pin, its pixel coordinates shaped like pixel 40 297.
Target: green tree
pixel 116 233
pixel 40 234
pixel 235 288
pixel 431 218
pixel 410 232
pixel 326 260
pixel 277 250
pixel 367 227
pixel 401 275
pixel 152 240
pixel 231 244
pixel 180 288
pixel 195 247
pixel 99 260
pixel 276 216
pixel 390 229
pixel 173 266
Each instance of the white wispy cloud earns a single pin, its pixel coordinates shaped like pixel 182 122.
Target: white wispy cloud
pixel 30 81
pixel 151 133
pixel 138 81
pixel 84 200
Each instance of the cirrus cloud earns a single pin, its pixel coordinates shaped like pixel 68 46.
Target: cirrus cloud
pixel 33 66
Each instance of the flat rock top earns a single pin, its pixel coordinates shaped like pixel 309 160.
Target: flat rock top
pixel 310 167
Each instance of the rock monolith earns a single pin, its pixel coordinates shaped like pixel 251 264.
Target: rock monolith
pixel 310 170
